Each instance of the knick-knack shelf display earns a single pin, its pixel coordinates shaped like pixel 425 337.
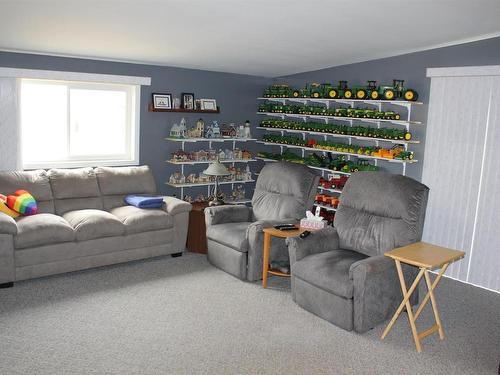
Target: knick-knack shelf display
pixel 215 138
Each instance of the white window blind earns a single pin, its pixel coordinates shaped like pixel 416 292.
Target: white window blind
pixel 461 171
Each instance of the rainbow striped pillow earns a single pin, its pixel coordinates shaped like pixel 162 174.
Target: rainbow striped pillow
pixel 22 202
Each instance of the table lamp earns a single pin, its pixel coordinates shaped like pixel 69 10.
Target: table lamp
pixel 216 169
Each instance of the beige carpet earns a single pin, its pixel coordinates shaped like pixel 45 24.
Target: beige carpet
pixel 182 316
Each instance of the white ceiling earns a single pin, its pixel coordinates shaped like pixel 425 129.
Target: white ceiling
pixel 261 37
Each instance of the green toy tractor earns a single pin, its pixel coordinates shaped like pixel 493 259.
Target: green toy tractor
pixel 365 92
pixel 340 92
pixel 396 91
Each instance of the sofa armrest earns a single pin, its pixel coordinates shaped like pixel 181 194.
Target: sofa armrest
pixel 377 291
pixel 227 214
pixel 317 242
pixel 175 206
pixel 7 224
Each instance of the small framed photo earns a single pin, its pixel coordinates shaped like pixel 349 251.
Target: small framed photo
pixel 208 104
pixel 187 100
pixel 162 101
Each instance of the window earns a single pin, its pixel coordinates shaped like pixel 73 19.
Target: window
pixel 76 124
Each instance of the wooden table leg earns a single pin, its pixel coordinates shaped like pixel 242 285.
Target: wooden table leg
pixel 406 297
pixel 434 305
pixel 434 284
pixel 265 258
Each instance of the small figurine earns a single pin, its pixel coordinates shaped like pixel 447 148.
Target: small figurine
pixel 240 132
pixel 248 174
pixel 188 198
pixel 229 154
pixel 222 155
pixel 248 134
pixel 191 179
pixel 245 154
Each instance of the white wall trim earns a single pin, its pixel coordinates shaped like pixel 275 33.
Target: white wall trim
pixel 464 71
pixel 73 76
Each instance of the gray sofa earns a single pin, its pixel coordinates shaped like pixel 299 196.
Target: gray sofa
pixel 283 193
pixel 83 222
pixel 341 274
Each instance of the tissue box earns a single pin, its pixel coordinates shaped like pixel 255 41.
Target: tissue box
pixel 312 224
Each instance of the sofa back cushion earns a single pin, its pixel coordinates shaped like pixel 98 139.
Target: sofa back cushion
pixel 117 182
pixel 35 182
pixel 284 190
pixel 75 189
pixel 380 211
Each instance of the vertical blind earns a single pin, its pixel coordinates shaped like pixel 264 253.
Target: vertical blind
pixel 462 171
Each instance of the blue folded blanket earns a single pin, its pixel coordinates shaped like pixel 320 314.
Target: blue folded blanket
pixel 142 201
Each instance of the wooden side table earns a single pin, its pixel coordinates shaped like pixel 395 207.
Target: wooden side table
pixel 426 257
pixel 273 232
pixel 197 236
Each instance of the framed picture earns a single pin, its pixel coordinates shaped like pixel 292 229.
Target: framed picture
pixel 208 104
pixel 187 100
pixel 162 101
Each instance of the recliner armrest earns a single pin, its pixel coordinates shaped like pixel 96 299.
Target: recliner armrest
pixel 377 291
pixel 7 224
pixel 317 242
pixel 227 214
pixel 175 206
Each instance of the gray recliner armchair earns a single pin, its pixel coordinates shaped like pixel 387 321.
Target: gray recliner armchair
pixel 340 273
pixel 283 193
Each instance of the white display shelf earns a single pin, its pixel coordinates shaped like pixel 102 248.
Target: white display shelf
pixel 403 103
pixel 210 161
pixel 193 140
pixel 340 153
pixel 326 118
pixel 209 183
pixel 309 166
pixel 305 132
pixel 328 208
pixel 337 191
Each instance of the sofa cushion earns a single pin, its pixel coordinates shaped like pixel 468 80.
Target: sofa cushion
pixel 233 235
pixel 42 229
pixel 74 183
pixel 125 180
pixel 328 271
pixel 138 220
pixel 89 224
pixel 36 182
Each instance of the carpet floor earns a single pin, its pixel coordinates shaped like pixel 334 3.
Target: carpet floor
pixel 182 316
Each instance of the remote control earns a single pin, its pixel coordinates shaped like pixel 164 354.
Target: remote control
pixel 288 228
pixel 281 226
pixel 304 234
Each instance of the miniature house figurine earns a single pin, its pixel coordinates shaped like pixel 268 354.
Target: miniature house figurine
pixel 183 128
pixel 175 131
pixel 248 134
pixel 200 127
pixel 229 154
pixel 209 133
pixel 215 129
pixel 222 155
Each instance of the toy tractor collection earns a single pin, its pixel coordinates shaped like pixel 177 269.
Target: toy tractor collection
pixel 342 91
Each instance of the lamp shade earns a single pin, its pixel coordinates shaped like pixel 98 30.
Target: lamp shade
pixel 216 169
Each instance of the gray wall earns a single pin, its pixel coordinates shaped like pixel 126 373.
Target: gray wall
pixel 412 68
pixel 235 94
